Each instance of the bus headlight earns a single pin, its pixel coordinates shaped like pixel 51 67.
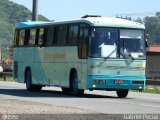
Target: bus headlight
pixel 140 87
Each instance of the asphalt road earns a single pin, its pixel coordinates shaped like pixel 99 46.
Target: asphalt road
pixel 96 101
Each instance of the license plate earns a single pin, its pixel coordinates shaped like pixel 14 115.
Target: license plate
pixel 118 81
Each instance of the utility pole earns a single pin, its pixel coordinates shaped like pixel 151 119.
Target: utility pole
pixel 0 56
pixel 35 10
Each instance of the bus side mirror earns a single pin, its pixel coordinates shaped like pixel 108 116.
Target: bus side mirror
pixel 146 43
pixel 146 38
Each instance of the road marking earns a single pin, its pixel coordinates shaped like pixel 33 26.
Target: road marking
pixel 146 105
pixel 84 98
pixel 149 98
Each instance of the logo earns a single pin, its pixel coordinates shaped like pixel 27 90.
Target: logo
pixel 9 117
pixel 118 73
pixel 4 117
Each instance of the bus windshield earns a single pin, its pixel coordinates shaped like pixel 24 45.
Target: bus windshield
pixel 132 42
pixel 117 43
pixel 103 42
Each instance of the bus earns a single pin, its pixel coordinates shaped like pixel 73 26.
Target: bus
pixel 91 53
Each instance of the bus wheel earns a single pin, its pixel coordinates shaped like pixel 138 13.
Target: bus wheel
pixel 122 93
pixel 28 80
pixel 66 90
pixel 37 87
pixel 74 85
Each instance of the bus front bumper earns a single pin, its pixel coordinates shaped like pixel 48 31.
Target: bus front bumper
pixel 115 82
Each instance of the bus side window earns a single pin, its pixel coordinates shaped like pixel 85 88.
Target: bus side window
pixel 21 37
pixel 55 35
pixel 62 35
pixel 32 37
pixel 50 36
pixel 41 36
pixel 73 35
pixel 82 43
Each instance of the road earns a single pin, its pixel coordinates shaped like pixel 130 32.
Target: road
pixel 96 101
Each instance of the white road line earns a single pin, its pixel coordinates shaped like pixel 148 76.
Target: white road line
pixel 146 105
pixel 149 98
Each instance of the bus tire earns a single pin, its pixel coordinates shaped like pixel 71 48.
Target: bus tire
pixel 80 92
pixel 122 93
pixel 28 81
pixel 66 90
pixel 37 87
pixel 74 85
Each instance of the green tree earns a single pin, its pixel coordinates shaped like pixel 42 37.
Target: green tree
pixel 10 14
pixel 153 27
pixel 139 20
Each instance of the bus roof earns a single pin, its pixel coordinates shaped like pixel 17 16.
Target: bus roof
pixel 93 21
pixel 114 22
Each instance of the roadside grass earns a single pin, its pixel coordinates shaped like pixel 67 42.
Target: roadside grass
pixel 150 89
pixel 9 79
pixel 155 91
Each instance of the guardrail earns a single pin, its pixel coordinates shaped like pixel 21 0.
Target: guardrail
pixel 153 82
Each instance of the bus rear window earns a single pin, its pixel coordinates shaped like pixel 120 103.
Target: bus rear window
pixel 16 37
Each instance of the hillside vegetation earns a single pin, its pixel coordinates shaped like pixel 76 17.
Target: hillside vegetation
pixel 10 14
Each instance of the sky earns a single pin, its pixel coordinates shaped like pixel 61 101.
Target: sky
pixel 74 9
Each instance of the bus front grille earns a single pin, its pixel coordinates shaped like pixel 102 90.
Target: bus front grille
pixel 138 82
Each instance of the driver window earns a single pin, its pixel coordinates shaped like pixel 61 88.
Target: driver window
pixel 104 42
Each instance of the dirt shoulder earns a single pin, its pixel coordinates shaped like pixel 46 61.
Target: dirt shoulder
pixel 12 109
pixel 25 110
pixel 13 106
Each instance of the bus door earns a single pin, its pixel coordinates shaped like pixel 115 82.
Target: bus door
pixel 39 57
pixel 49 59
pixel 19 54
pixel 31 47
pixel 21 48
pixel 83 52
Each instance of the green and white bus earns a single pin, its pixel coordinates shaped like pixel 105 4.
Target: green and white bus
pixel 94 53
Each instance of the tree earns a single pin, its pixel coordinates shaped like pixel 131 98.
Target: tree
pixel 139 20
pixel 10 14
pixel 153 27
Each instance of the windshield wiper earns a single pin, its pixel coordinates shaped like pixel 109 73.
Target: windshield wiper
pixel 127 55
pixel 111 53
pixel 105 58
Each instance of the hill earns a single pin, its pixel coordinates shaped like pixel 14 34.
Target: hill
pixel 10 14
